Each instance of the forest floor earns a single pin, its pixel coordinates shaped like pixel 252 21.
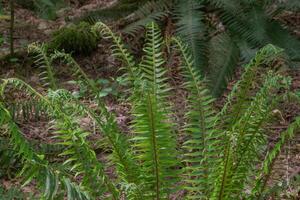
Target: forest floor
pixel 100 64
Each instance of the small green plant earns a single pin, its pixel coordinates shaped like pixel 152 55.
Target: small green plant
pixel 77 39
pixel 110 87
pixel 221 151
pixel 106 87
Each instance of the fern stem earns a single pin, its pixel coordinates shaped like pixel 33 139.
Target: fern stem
pixel 155 153
pixel 224 176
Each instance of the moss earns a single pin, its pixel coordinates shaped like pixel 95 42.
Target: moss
pixel 77 39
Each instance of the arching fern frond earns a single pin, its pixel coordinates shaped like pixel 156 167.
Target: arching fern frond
pixel 127 169
pixel 191 28
pixel 264 174
pixel 34 164
pixel 238 99
pixel 81 157
pixel 152 11
pixel 44 62
pixel 223 60
pixel 118 50
pixel 254 25
pixel 245 139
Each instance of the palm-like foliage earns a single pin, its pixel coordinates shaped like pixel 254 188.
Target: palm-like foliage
pixel 220 33
pixel 221 148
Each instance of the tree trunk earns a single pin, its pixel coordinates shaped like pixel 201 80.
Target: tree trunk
pixel 12 21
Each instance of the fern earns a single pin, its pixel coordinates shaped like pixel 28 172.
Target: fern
pixel 241 91
pixel 220 152
pixel 224 54
pixel 42 60
pixel 127 170
pixel 207 26
pixel 245 140
pixel 73 138
pixel 76 39
pixel 154 142
pixel 35 166
pixel 119 51
pixel 200 127
pixel 150 11
pixel 264 174
pixel 191 28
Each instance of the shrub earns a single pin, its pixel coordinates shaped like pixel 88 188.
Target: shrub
pixel 77 39
pixel 217 160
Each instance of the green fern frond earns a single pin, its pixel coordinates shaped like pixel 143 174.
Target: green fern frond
pixel 75 39
pixel 119 50
pixel 127 169
pixel 228 5
pixel 191 28
pixel 239 96
pixel 223 60
pixel 26 109
pixel 43 61
pixel 152 11
pixel 246 138
pixel 254 25
pixel 154 143
pixel 200 129
pixel 151 66
pixel 268 165
pixel 35 165
pixel 73 138
pixel 253 30
pixel 280 37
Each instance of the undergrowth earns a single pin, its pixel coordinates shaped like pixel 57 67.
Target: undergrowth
pixel 218 158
